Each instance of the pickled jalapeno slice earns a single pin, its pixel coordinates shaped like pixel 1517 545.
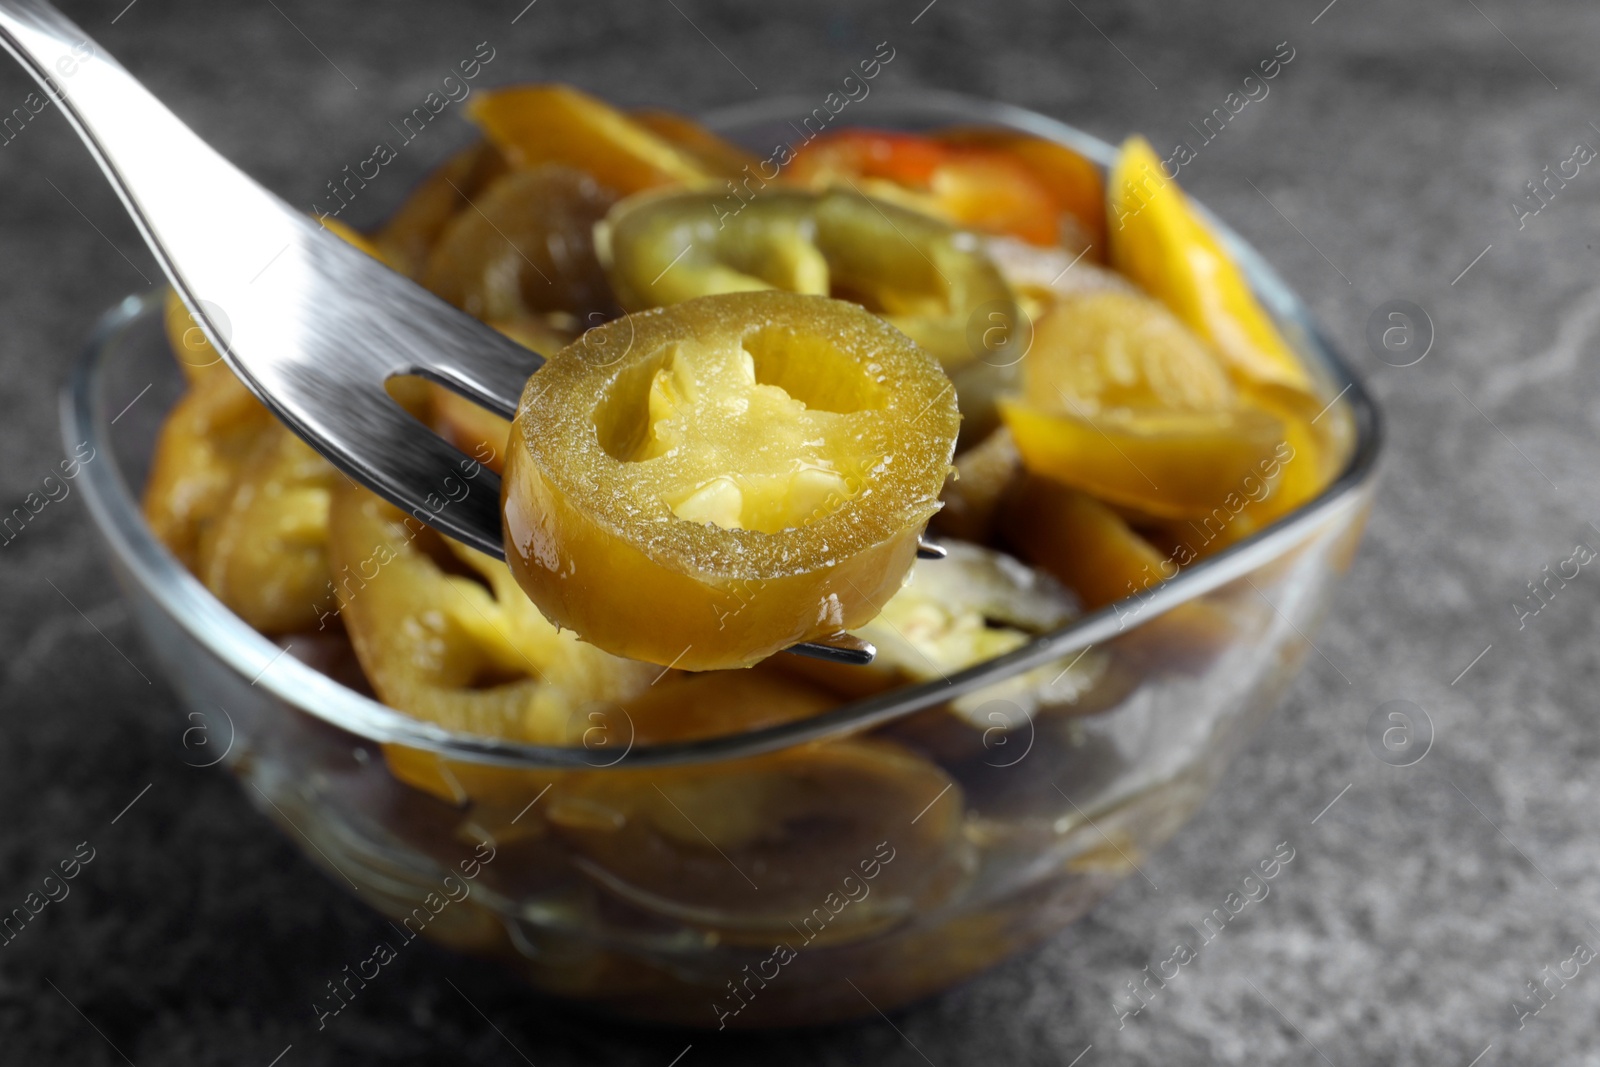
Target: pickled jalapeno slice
pixel 1073 181
pixel 1120 400
pixel 922 274
pixel 266 553
pixel 703 485
pixel 444 635
pixel 204 443
pixel 717 156
pixel 1160 241
pixel 526 247
pixel 414 228
pixel 995 181
pixel 534 124
pixel 798 827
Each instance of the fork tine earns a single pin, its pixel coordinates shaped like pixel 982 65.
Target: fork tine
pixel 491 377
pixel 323 375
pixel 404 462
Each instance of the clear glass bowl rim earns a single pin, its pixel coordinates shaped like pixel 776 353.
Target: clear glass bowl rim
pixel 115 508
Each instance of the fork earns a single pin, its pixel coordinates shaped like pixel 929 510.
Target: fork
pixel 312 326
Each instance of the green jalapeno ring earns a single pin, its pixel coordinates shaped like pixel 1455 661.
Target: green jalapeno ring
pixel 921 274
pixel 601 552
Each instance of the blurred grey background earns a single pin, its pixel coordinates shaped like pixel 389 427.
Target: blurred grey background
pixel 1385 161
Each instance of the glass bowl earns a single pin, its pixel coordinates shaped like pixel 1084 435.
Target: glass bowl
pixel 864 901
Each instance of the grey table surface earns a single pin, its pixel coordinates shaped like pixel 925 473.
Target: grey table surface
pixel 1386 159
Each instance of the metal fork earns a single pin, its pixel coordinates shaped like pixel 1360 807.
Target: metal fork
pixel 313 326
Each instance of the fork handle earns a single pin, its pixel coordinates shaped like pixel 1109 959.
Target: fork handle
pixel 216 232
pixel 177 188
pixel 137 141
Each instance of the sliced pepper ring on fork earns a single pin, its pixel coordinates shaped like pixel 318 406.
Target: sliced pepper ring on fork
pixel 750 471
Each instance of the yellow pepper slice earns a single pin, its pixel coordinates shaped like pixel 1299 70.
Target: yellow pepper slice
pixel 1319 439
pixel 1082 542
pixel 718 156
pixel 203 444
pixel 1316 440
pixel 1162 464
pixel 1099 352
pixel 1159 241
pixel 747 471
pixel 526 246
pixel 770 848
pixel 265 555
pixel 409 234
pixel 677 707
pixel 534 124
pixel 444 633
pixel 1094 552
pixel 1121 401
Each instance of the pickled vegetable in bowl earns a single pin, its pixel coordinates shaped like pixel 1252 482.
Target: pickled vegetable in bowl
pixel 768 375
